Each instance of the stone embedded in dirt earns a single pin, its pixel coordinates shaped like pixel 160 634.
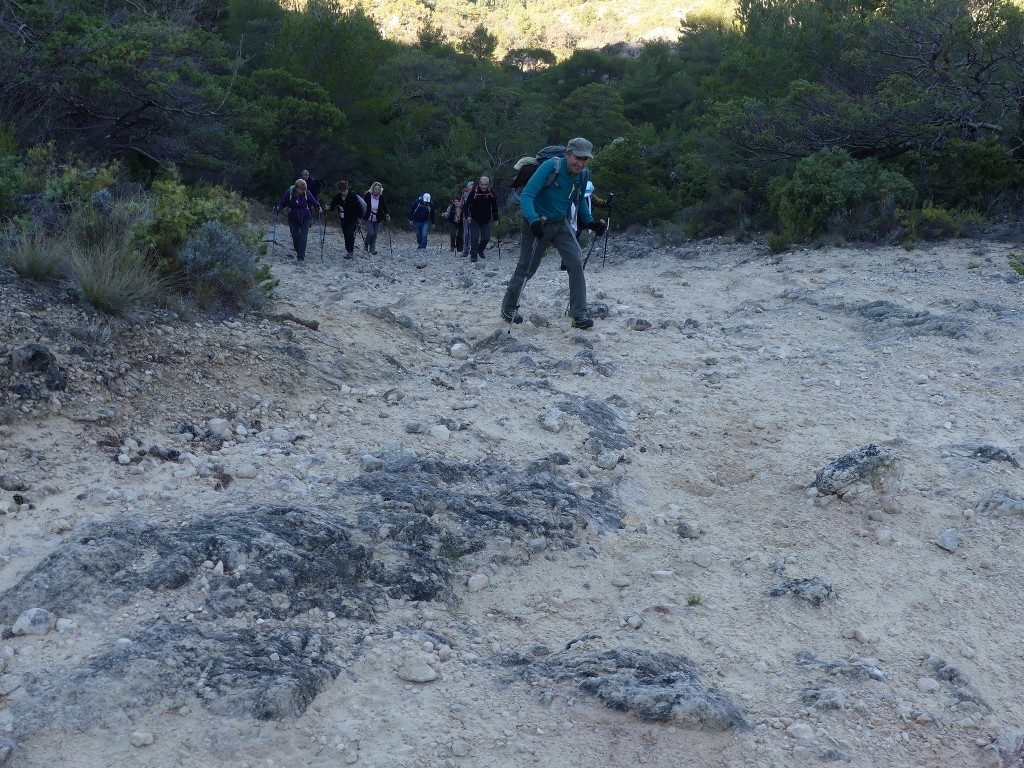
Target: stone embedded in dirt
pixel 416 669
pixel 963 688
pixel 999 503
pixel 857 669
pixel 688 530
pixel 1007 751
pixel 551 420
pixel 815 591
pixel 948 540
pixel 55 380
pixel 266 674
pixel 13 483
pixel 871 465
pixel 34 621
pixel 32 358
pixel 141 739
pixel 477 581
pixel 606 424
pixel 991 453
pixel 824 697
pixel 652 686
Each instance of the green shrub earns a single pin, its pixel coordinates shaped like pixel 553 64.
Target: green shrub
pixel 1016 261
pixel 221 269
pixel 115 278
pixel 830 190
pixel 933 222
pixel 29 252
pixel 12 180
pixel 105 220
pixel 777 243
pixel 178 211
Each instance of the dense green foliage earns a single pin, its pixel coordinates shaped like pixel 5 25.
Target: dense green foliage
pixel 801 116
pixel 830 191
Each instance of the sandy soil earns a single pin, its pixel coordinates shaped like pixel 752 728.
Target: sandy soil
pixel 737 375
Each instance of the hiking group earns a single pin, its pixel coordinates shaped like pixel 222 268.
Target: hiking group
pixel 554 192
pixel 369 209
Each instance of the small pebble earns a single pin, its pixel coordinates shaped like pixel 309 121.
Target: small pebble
pixel 478 581
pixel 927 684
pixel 948 540
pixel 141 738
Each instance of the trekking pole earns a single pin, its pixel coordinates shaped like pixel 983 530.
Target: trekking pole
pixel 323 234
pixel 391 248
pixel 607 226
pixel 273 237
pixel 497 237
pixel 526 279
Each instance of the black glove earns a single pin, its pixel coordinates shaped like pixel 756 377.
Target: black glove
pixel 597 227
pixel 537 228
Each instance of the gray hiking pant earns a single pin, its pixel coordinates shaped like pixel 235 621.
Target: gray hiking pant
pixel 300 233
pixel 531 251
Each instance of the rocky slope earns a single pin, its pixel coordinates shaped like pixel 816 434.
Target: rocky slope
pixel 768 512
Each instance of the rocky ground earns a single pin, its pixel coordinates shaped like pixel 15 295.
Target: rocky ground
pixel 768 512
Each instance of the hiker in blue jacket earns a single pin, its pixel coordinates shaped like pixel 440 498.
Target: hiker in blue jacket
pixel 421 216
pixel 300 204
pixel 545 200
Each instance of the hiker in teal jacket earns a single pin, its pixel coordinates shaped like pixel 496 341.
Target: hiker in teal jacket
pixel 545 200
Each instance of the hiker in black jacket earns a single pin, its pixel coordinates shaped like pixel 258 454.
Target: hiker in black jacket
pixel 480 210
pixel 351 208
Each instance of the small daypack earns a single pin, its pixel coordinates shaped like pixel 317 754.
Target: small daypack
pixel 418 217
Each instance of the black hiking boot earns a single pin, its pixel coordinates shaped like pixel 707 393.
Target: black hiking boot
pixel 583 321
pixel 511 317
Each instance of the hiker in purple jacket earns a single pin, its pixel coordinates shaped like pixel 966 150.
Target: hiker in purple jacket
pixel 300 204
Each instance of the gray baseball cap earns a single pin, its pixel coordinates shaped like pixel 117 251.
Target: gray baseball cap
pixel 580 147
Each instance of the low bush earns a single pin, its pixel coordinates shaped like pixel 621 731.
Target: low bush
pixel 1016 261
pixel 105 220
pixel 933 222
pixel 30 253
pixel 114 278
pixel 222 269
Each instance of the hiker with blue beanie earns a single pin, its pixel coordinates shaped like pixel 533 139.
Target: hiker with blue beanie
pixel 558 183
